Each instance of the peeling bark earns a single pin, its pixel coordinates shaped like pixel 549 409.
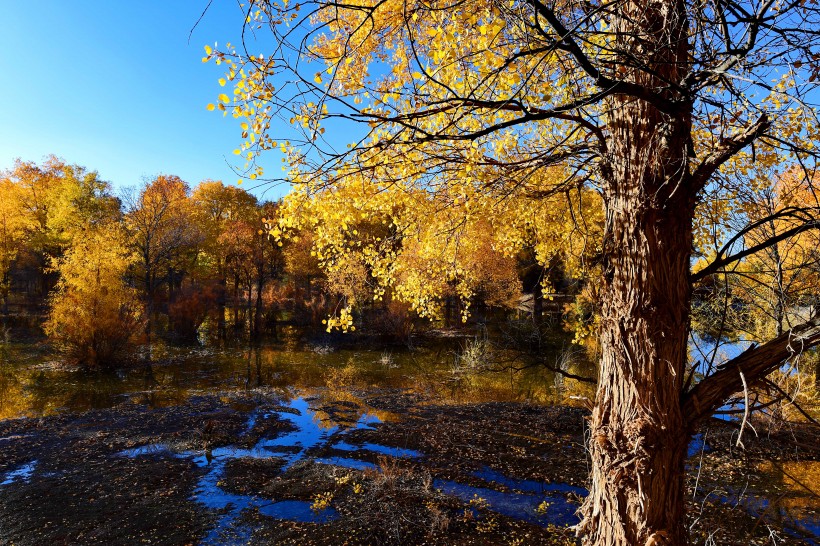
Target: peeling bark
pixel 638 439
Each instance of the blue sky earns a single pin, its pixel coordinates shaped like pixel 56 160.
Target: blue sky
pixel 116 87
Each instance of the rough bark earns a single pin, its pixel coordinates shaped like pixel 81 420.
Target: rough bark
pixel 638 442
pixel 638 438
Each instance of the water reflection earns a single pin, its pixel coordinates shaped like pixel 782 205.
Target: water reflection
pixel 296 510
pixel 20 474
pixel 32 386
pixel 537 502
pixel 310 432
pixel 796 505
pixel 543 509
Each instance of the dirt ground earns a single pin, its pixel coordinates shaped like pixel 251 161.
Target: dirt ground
pixel 82 488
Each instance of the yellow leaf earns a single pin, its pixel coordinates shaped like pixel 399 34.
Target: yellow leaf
pixel 224 98
pixel 210 107
pixel 208 49
pixel 222 82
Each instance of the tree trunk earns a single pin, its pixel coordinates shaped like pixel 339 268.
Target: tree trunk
pixel 221 298
pixel 249 307
pixel 149 302
pixel 638 436
pixel 235 303
pixel 257 315
pixel 5 291
pixel 537 303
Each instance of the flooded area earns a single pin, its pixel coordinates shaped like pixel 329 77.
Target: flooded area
pixel 291 444
pixel 33 382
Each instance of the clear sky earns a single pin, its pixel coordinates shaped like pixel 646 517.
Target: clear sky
pixel 118 88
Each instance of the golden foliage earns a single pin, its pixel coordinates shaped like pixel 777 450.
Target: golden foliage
pixel 423 246
pixel 94 314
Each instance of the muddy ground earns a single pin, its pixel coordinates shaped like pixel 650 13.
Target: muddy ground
pixel 71 479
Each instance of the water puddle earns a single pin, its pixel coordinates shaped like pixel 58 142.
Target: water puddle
pixel 396 452
pixel 536 502
pixel 540 503
pixel 310 432
pixel 787 495
pixel 150 449
pixel 541 509
pixel 795 521
pixel 296 510
pixel 529 500
pixel 697 445
pixel 353 464
pixel 21 474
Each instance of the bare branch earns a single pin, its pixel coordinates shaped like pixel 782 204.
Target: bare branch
pixel 721 261
pixel 726 150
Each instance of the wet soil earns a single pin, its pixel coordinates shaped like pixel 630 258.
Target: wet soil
pixel 255 467
pixel 79 491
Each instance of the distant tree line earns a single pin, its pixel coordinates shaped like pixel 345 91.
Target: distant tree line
pixel 99 272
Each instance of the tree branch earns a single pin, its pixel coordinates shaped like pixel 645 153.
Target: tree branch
pixel 722 261
pixel 791 399
pixel 726 149
pixel 755 363
pixel 606 84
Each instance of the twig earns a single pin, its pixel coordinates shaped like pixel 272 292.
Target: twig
pixel 739 443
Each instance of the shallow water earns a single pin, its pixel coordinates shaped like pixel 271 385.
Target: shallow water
pixel 309 434
pixel 376 448
pixel 312 433
pixel 791 500
pixel 296 510
pixel 556 509
pixel 697 446
pixel 537 502
pixel 20 474
pixel 795 522
pixel 33 383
